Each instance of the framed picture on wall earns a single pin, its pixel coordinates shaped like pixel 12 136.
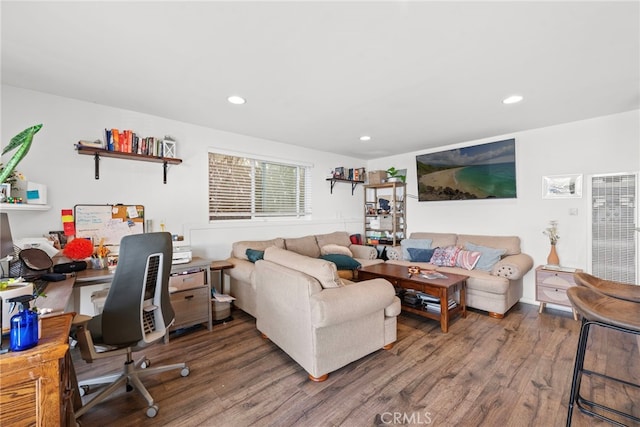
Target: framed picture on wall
pixel 5 191
pixel 562 186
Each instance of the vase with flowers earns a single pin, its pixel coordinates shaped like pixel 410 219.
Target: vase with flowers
pixel 552 233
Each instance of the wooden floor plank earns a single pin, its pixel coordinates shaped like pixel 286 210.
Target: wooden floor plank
pixel 514 371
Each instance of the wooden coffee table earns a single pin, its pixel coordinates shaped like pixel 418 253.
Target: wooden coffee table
pixel 442 289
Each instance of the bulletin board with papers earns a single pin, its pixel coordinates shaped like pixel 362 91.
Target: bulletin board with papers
pixel 108 222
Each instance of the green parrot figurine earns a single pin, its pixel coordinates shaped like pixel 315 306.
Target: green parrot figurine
pixel 22 140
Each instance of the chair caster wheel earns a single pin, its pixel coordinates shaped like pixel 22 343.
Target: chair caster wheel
pixel 83 390
pixel 152 411
pixel 129 388
pixel 145 364
pixel 184 372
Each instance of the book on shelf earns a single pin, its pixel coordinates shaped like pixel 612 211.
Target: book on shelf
pixel 92 144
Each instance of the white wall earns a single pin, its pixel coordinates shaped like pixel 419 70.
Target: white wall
pixel 601 145
pixel 182 202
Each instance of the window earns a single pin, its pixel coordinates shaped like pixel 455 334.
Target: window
pixel 246 188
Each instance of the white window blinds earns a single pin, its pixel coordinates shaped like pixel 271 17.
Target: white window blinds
pixel 247 188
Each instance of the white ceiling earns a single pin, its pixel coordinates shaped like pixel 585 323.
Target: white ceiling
pixel 413 75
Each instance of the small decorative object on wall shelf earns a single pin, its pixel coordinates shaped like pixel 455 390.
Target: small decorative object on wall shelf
pixel 552 233
pixel 396 175
pixel 168 147
pixel 562 186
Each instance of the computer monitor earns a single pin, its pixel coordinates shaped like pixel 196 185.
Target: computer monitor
pixel 6 242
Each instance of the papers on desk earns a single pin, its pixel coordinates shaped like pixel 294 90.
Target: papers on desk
pixel 223 297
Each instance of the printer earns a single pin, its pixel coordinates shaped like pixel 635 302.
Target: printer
pixel 181 253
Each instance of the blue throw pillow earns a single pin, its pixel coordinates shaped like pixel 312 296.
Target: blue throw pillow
pixel 254 255
pixel 342 262
pixel 413 243
pixel 420 255
pixel 489 257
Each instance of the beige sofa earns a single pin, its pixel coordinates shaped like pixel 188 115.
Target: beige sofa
pixel 323 324
pixel 494 291
pixel 243 278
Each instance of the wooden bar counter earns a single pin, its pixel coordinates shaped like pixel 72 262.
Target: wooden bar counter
pixel 37 385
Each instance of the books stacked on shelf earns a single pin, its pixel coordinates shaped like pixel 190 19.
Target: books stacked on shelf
pixel 127 141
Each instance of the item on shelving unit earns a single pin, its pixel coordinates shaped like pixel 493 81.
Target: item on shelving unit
pixel 339 173
pixel 377 177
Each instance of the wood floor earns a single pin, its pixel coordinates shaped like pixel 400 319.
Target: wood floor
pixel 484 372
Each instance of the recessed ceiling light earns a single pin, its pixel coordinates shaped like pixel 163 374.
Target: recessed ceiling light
pixel 513 99
pixel 365 138
pixel 237 100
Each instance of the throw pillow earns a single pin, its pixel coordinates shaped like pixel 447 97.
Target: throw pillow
pixel 420 255
pixel 413 243
pixel 335 249
pixel 489 257
pixel 342 262
pixel 467 259
pixel 445 257
pixel 254 255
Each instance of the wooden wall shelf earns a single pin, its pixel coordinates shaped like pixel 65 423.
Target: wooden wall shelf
pixel 23 207
pixel 350 181
pixel 97 152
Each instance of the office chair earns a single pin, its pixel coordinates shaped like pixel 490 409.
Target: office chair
pixel 136 313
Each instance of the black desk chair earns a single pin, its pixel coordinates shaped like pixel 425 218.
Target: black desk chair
pixel 137 313
pixel 612 313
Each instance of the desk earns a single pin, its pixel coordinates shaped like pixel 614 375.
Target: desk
pixel 38 385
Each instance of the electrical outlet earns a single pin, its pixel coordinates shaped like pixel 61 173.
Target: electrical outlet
pixel 573 211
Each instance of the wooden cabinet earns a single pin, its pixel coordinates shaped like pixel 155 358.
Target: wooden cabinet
pixel 385 213
pixel 38 385
pixel 552 285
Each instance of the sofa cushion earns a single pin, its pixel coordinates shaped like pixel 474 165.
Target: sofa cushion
pixel 437 239
pixel 342 262
pixel 420 255
pixel 306 245
pixel 445 257
pixel 511 244
pixel 335 249
pixel 324 271
pixel 336 238
pixel 405 244
pixel 254 255
pixel 489 257
pixel 468 259
pixel 239 249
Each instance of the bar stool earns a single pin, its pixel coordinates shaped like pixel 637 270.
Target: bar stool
pixel 609 287
pixel 607 312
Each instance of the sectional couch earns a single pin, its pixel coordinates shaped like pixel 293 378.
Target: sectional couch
pixel 243 275
pixel 494 285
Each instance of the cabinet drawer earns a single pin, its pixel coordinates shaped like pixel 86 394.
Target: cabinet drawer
pixel 553 295
pixel 555 279
pixel 191 306
pixel 187 281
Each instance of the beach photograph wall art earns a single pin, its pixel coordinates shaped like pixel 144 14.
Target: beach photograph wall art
pixel 485 171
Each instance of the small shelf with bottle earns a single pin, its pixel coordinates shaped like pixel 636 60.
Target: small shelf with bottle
pixel 353 183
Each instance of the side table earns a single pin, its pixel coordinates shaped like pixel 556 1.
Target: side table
pixel 552 284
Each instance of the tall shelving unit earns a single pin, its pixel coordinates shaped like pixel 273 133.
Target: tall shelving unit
pixel 385 226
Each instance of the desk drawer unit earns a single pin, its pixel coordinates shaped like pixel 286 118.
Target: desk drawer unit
pixel 191 306
pixel 187 281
